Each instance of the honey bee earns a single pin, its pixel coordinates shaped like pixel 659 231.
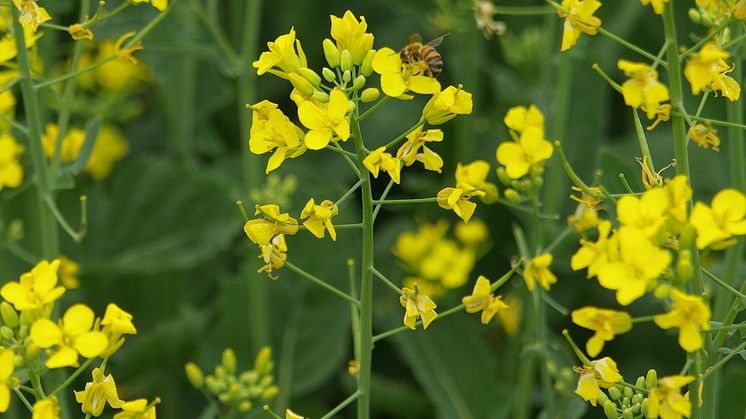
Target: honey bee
pixel 425 56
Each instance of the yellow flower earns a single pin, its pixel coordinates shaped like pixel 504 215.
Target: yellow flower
pixel 97 393
pixel 283 55
pixel 136 409
pixel 68 272
pixel 116 322
pixel 320 218
pixel 510 318
pixel 474 176
pixel 397 78
pixel 124 53
pixel 261 230
pixel 446 104
pixel 72 336
pixel 409 152
pixel 638 268
pixel 161 5
pixel 417 305
pixel 473 233
pixel 448 264
pixel 584 218
pixel 606 324
pixel 595 255
pixel 117 75
pixel 643 88
pixel 46 409
pixel 481 299
pixel 646 212
pixel 530 151
pixel 411 247
pixel 272 130
pixel 7 380
pixel 601 373
pixel 657 5
pixel 689 313
pixel 36 290
pixel 379 160
pixel 289 414
pixel 325 123
pixel 578 15
pixel 717 224
pixel 537 270
pixel 274 255
pixel 31 15
pixel 679 193
pixel 71 142
pixel 705 136
pixel 708 68
pixel 350 35
pixel 458 200
pixel 666 401
pixel 79 33
pixel 110 147
pixel 519 118
pixel 11 171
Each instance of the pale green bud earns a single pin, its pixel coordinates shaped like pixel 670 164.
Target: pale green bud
pixel 9 315
pixel 220 373
pixel 610 409
pixel 512 195
pixel 502 176
pixel 6 332
pixel 636 407
pixel 194 375
pixel 18 361
pixel 644 406
pixel 331 53
pixel 224 398
pixel 651 379
pixel 627 413
pixel 15 230
pixel 263 363
pixel 626 401
pixel 346 76
pixel 301 85
pixel 602 397
pixel 637 398
pixel 310 75
pixel 346 61
pixel 359 82
pixel 212 384
pixel 628 392
pixel 684 269
pixel 695 16
pixel 244 406
pixel 270 392
pixel 320 96
pixel 370 94
pixel 329 74
pixel 229 360
pixel 614 393
pixel 32 351
pixel 640 383
pixel 367 66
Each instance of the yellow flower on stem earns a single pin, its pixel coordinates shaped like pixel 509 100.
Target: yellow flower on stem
pixel 531 150
pixel 161 5
pixel 136 409
pixel 602 373
pixel 646 212
pixel 606 324
pixel 72 336
pixel 320 218
pixel 716 225
pixel 68 272
pixel 97 393
pixel 519 118
pixel 398 78
pixel 114 325
pixel 595 255
pixel 31 15
pixel 409 152
pixel 272 130
pixel 474 176
pixel 379 160
pixel 110 147
pixel 578 15
pixel 36 290
pixel 537 270
pixel 656 4
pixel 7 380
pixel 510 318
pixel 282 54
pixel 481 299
pixel 705 136
pixel 124 53
pixel 350 35
pixel 666 401
pixel 707 68
pixel 78 32
pixel 11 171
pixel 261 230
pixel 446 104
pixel 690 314
pixel 458 200
pixel 325 123
pixel 679 193
pixel 71 142
pixel 274 255
pixel 417 305
pixel 289 414
pixel 643 88
pixel 46 409
pixel 448 263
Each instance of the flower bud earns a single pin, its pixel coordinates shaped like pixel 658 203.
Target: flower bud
pixel 684 270
pixel 370 94
pixel 614 393
pixel 637 399
pixel 320 96
pixel 346 76
pixel 194 375
pixel 263 363
pixel 244 406
pixel 18 361
pixel 687 237
pixel 627 413
pixel 640 383
pixel 651 379
pixel 310 75
pixel 367 66
pixel 301 85
pixel 644 406
pixel 636 408
pixel 662 291
pixel 220 373
pixel 32 351
pixel 628 393
pixel 512 195
pixel 9 316
pixel 211 383
pixel 695 16
pixel 6 332
pixel 346 61
pixel 626 402
pixel 502 175
pixel 331 53
pixel 610 409
pixel 359 82
pixel 270 392
pixel 15 230
pixel 328 74
pixel 224 398
pixel 229 360
pixel 602 398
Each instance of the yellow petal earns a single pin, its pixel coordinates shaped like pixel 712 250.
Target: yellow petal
pixel 64 357
pixel 45 333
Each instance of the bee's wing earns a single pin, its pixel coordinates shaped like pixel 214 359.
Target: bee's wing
pixel 415 38
pixel 437 41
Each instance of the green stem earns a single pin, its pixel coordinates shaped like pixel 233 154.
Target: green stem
pixel 722 362
pixel 626 185
pixel 723 284
pixel 726 328
pixel 643 142
pixel 711 121
pixel 75 73
pixel 386 281
pixel 704 40
pixel 24 400
pixel 571 173
pixel 633 47
pixel 72 377
pixel 643 319
pixel 405 201
pixel 373 108
pixel 396 140
pixel 321 283
pixel 556 184
pixel 527 209
pixel 597 68
pixel 349 192
pixel 354 310
pixel 384 194
pixel 342 405
pixel 218 35
pixel 338 149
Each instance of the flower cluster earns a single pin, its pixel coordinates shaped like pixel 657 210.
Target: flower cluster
pixel 471 181
pixel 109 147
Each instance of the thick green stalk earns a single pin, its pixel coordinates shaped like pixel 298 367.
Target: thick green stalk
pixel 366 282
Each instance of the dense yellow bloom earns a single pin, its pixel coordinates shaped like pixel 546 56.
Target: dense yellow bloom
pixel 417 305
pixel 473 233
pixel 643 88
pixel 409 152
pixel 350 35
pixel 716 225
pixel 282 54
pixel 595 255
pixel 531 150
pixel 666 401
pixel 272 130
pixel 320 218
pixel 656 4
pixel 72 336
pixel 97 393
pixel 36 290
pixel 7 380
pixel 71 142
pixel 708 68
pixel 646 212
pixel 46 409
pixel 578 15
pixel 379 160
pixel 261 230
pixel 606 324
pixel 689 313
pixel 448 264
pixel 11 171
pixel 411 247
pixel 136 409
pixel 679 193
pixel 161 5
pixel 323 124
pixel 110 147
pixel 397 78
pixel 601 373
pixel 519 118
pixel 481 299
pixel 446 104
pixel 537 270
pixel 31 15
pixel 705 136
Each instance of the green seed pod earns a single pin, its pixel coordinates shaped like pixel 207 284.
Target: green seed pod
pixel 651 379
pixel 614 393
pixel 346 61
pixel 627 413
pixel 331 53
pixel 9 315
pixel 640 383
pixel 370 94
pixel 229 360
pixel 310 75
pixel 628 392
pixel 194 375
pixel 6 332
pixel 329 74
pixel 610 410
pixel 359 82
pixel 367 66
pixel 301 85
pixel 684 269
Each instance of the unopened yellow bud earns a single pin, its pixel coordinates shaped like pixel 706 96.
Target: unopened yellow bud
pixel 32 351
pixel 370 94
pixel 301 85
pixel 331 53
pixel 194 375
pixel 359 82
pixel 9 315
pixel 610 409
pixel 270 392
pixel 328 74
pixel 263 363
pixel 6 332
pixel 684 269
pixel 212 384
pixel 651 379
pixel 512 195
pixel 244 406
pixel 229 360
pixel 695 16
pixel 310 75
pixel 662 291
pixel 346 61
pixel 367 66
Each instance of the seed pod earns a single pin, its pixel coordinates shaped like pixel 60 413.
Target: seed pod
pixel 194 375
pixel 331 53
